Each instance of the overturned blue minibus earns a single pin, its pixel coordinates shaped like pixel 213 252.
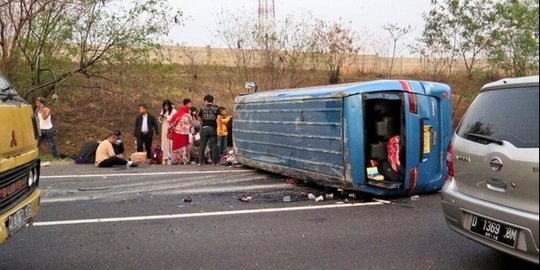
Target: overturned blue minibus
pixel 387 137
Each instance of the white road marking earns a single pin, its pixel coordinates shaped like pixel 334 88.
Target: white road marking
pixel 209 214
pixel 141 174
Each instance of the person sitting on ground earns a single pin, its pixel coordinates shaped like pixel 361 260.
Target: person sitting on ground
pixel 105 156
pixel 194 142
pixel 87 154
pixel 118 145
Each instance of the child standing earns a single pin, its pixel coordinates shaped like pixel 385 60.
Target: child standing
pixel 222 120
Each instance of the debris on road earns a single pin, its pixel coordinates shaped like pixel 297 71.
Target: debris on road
pixel 93 189
pixel 188 199
pixel 291 181
pixel 45 164
pixel 180 206
pixel 415 198
pixel 352 195
pixel 319 199
pixel 287 198
pixel 245 199
pixel 329 196
pixel 311 197
pixel 382 201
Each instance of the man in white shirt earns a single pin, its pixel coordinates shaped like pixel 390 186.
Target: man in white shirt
pixel 45 125
pixel 145 125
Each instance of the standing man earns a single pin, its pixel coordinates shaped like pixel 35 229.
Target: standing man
pixel 144 130
pixel 45 125
pixel 208 116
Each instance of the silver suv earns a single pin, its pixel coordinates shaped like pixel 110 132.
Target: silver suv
pixel 491 194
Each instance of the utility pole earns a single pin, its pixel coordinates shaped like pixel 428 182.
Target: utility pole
pixel 267 14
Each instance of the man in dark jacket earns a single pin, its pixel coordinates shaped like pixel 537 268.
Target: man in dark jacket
pixel 208 133
pixel 144 130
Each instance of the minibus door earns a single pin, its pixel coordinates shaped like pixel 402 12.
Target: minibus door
pixel 423 144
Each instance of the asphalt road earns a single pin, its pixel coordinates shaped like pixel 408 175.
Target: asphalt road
pixel 116 218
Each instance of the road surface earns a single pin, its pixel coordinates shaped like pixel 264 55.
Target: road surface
pixel 93 218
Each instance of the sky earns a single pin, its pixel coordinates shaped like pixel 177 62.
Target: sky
pixel 201 20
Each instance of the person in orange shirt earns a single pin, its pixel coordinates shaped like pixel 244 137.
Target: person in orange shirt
pixel 105 156
pixel 222 120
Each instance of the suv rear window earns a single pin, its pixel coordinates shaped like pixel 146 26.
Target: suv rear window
pixel 507 114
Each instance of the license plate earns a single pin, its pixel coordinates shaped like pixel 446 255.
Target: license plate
pixel 494 230
pixel 427 139
pixel 20 218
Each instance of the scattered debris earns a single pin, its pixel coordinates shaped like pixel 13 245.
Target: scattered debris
pixel 291 181
pixel 415 198
pixel 319 199
pixel 188 199
pixel 311 197
pixel 346 200
pixel 180 206
pixel 339 202
pixel 92 189
pixel 287 198
pixel 330 196
pixel 352 195
pixel 45 164
pixel 245 199
pixel 382 201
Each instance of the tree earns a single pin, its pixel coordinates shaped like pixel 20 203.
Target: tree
pixel 337 48
pixel 15 18
pixel 396 33
pixel 463 27
pixel 276 56
pixel 515 49
pixel 192 54
pixel 94 36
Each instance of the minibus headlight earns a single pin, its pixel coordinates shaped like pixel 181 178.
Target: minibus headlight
pixel 31 177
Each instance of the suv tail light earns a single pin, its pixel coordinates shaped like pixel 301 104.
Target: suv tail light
pixel 450 160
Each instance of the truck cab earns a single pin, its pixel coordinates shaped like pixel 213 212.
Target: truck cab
pixel 19 162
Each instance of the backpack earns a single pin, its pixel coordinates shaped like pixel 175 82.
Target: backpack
pixel 157 155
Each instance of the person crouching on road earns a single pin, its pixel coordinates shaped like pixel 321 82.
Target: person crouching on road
pixel 105 156
pixel 118 145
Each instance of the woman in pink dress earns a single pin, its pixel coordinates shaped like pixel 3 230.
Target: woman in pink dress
pixel 182 124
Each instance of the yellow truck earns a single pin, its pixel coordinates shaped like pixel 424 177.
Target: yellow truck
pixel 19 162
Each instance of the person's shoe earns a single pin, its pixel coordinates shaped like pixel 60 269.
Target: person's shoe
pixel 130 164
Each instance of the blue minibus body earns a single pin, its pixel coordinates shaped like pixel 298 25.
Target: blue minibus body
pixel 387 138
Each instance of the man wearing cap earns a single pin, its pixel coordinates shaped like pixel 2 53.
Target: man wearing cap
pixel 45 126
pixel 118 145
